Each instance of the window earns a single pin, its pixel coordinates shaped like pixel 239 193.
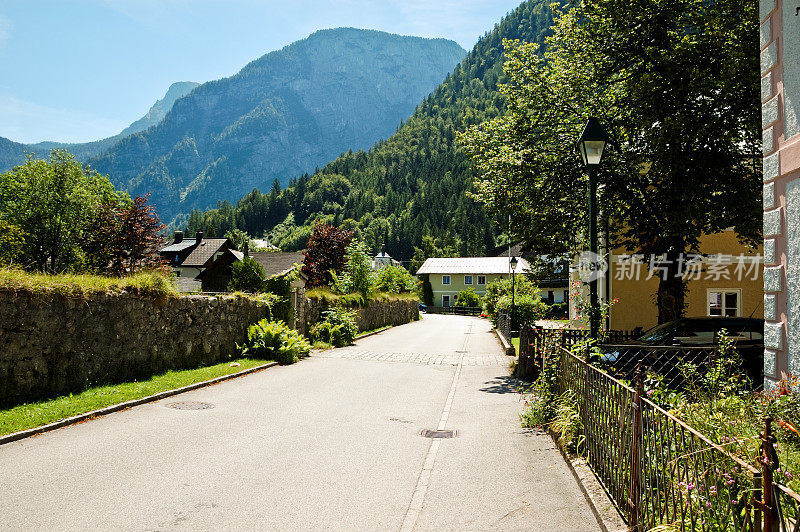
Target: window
pixel 467 279
pixel 445 279
pixel 481 279
pixel 445 301
pixel 724 302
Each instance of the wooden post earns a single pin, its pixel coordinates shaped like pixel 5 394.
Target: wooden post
pixel 635 465
pixel 769 462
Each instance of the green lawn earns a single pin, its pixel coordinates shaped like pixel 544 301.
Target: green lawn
pixel 32 415
pixel 515 343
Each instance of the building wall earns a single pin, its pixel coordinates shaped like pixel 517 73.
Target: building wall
pixel 457 284
pixel 780 94
pixel 637 298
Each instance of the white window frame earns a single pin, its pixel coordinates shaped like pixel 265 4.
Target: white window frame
pixel 446 297
pixel 468 280
pixel 724 291
pixel 445 279
pixel 479 280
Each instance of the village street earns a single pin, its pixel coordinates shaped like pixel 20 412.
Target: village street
pixel 332 442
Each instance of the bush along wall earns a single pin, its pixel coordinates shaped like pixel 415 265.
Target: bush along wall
pixel 371 314
pixel 54 345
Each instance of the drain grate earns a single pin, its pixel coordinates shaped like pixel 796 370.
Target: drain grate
pixel 190 405
pixel 438 434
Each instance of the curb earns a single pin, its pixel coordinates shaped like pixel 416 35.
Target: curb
pixel 506 343
pixel 15 436
pixel 367 335
pixel 608 519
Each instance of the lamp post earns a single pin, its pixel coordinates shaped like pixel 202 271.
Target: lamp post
pixel 513 261
pixel 591 145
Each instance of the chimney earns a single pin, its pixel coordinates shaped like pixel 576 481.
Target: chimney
pixel 178 237
pixel 199 237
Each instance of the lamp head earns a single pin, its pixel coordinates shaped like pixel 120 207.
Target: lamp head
pixel 592 142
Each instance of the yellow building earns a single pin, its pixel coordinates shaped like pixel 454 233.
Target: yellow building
pixel 724 280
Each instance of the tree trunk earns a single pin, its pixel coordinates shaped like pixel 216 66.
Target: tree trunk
pixel 671 294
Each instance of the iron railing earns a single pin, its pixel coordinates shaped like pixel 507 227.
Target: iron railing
pixel 461 311
pixel 504 325
pixel 657 470
pixel 660 471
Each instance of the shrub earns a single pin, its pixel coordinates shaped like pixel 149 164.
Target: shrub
pixel 502 287
pixel 468 298
pixel 557 311
pixel 395 279
pixel 358 276
pixel 527 308
pixel 339 328
pixel 274 340
pixel 247 275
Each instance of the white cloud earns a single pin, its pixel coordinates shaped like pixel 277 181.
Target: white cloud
pixel 5 31
pixel 29 122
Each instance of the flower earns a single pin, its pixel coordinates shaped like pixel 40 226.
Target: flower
pixel 712 490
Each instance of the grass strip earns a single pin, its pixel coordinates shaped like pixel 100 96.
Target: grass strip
pixel 145 283
pixel 515 343
pixel 33 415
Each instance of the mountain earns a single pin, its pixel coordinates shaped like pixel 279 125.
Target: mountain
pixel 282 115
pixel 13 153
pixel 413 185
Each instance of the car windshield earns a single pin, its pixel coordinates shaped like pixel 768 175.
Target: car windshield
pixel 699 330
pixel 660 332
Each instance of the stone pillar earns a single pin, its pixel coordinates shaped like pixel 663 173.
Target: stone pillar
pixel 780 96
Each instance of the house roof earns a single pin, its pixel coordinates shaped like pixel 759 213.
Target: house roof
pixel 204 251
pixel 180 246
pixel 275 263
pixel 471 265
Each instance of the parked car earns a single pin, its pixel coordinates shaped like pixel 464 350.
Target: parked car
pixel 747 333
pixel 423 308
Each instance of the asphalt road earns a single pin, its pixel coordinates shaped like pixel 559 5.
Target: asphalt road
pixel 330 443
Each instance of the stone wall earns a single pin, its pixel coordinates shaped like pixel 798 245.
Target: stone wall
pixel 377 313
pixel 53 345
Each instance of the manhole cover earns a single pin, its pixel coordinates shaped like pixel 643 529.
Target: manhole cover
pixel 438 434
pixel 190 405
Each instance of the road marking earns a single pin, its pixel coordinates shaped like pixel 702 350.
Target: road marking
pixel 421 489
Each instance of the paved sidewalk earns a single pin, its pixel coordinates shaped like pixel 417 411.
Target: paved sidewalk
pixel 330 443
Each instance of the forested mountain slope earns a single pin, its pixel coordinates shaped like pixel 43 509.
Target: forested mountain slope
pixel 13 153
pixel 283 114
pixel 412 185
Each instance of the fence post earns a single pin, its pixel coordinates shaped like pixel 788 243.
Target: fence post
pixel 635 462
pixel 769 459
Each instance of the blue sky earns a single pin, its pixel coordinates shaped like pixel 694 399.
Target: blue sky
pixel 80 70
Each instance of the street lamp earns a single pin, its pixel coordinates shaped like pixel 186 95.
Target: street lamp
pixel 513 261
pixel 591 145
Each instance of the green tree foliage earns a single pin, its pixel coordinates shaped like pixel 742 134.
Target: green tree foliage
pixel 12 243
pixel 412 185
pixel 395 279
pixel 468 298
pixel 247 275
pixel 357 276
pixel 676 85
pixel 501 288
pixel 240 239
pixel 52 203
pixel 326 253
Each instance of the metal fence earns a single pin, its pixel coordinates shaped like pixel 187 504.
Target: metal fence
pixel 504 325
pixel 664 362
pixel 461 311
pixel 660 471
